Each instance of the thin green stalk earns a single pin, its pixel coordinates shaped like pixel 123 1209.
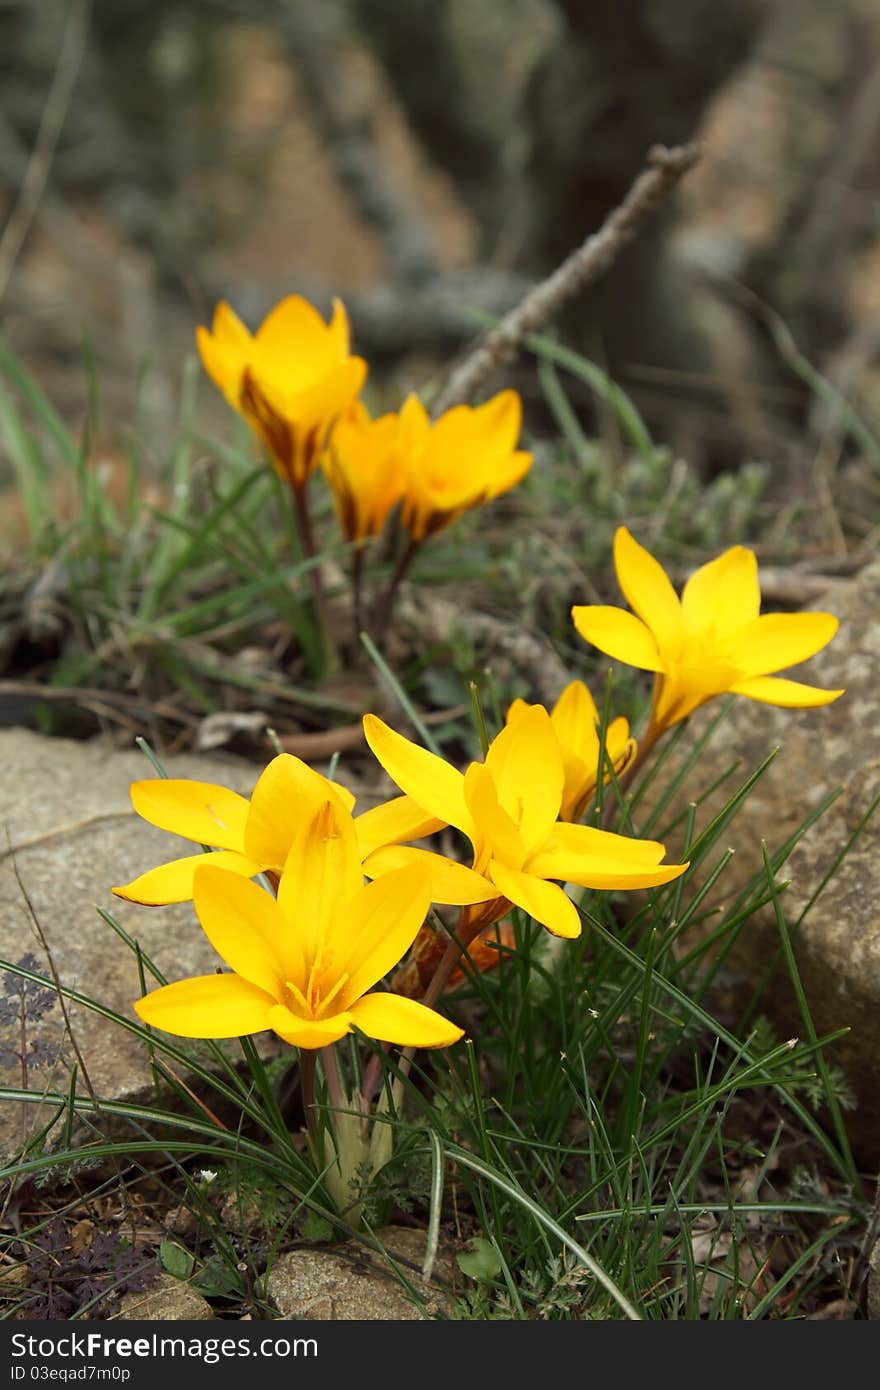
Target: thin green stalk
pixel 357 591
pixel 400 694
pixel 755 1065
pixel 479 716
pixel 483 1170
pixel 384 609
pixel 809 1027
pixel 307 1067
pixel 316 578
pixel 802 1261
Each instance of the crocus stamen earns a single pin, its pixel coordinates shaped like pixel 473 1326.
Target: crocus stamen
pixel 327 999
pixel 300 999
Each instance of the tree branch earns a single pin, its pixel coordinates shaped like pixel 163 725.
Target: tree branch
pixel 591 260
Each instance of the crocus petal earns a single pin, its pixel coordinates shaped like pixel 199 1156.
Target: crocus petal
pixel 621 748
pixel 723 594
pixel 375 930
pixel 200 811
pixel 223 371
pixel 294 343
pixel 588 840
pixel 771 690
pixel 647 590
pixel 393 823
pixel 230 332
pixel 288 794
pixel 363 467
pixel 525 764
pixel 619 634
pixel 777 640
pixel 321 401
pixel 544 901
pixel 574 718
pixel 431 782
pixel 225 351
pixel 415 424
pixel 173 882
pixel 606 873
pixel 497 422
pixel 451 883
pixel 494 826
pixel 508 474
pixel 247 929
pixel 339 328
pixel 321 872
pixel 308 1032
pixel 207 1006
pixel 393 1019
pixel 516 710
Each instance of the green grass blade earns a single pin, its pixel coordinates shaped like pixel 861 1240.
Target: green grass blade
pixel 29 467
pixel 400 694
pixel 809 1027
pixel 516 1194
pixel 599 382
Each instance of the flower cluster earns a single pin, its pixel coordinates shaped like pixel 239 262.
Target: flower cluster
pixel 303 963
pixel 297 385
pixel 312 907
pixel 304 955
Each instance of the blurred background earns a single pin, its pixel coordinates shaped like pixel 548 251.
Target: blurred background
pixel 426 161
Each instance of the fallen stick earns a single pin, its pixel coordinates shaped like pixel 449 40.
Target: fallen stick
pixel 664 169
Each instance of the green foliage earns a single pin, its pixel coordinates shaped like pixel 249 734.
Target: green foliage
pixel 175 1260
pixel 171 577
pixel 481 1261
pixel 609 1147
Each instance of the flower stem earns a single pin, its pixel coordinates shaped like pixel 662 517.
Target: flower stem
pixel 457 946
pixel 646 742
pixel 385 607
pixel 307 1088
pixel 316 579
pixel 357 594
pixel 336 1092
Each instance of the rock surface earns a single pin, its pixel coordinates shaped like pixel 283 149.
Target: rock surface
pixel 874 1283
pixel 820 750
pixel 350 1282
pixel 166 1300
pixel 65 812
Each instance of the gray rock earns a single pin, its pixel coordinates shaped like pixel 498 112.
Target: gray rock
pixel 874 1282
pixel 350 1282
pixel 166 1300
pixel 820 750
pixel 66 813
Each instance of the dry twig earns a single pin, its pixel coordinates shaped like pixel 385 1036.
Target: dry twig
pixel 664 169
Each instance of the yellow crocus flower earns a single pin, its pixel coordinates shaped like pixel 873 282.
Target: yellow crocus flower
pixel 508 807
pixel 364 469
pixel 575 721
pixel 465 458
pixel 250 837
pixel 304 965
pixel 711 641
pixel 290 380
